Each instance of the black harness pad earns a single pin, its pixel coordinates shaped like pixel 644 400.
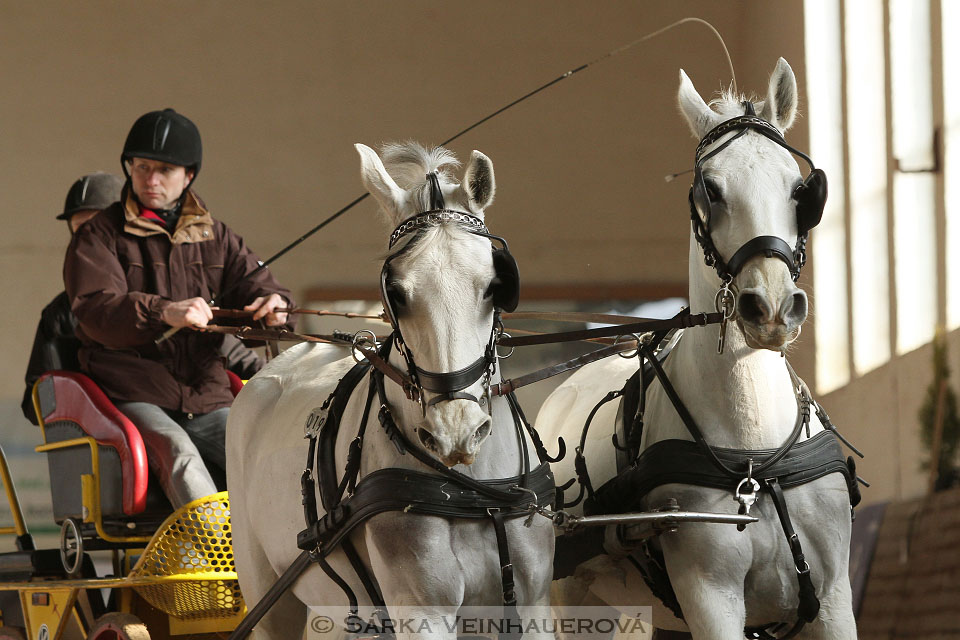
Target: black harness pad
pixel 682 462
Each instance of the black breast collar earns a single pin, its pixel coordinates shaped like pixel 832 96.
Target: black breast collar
pixel 349 502
pixel 699 464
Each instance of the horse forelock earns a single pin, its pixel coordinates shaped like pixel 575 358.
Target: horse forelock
pixel 729 104
pixel 409 162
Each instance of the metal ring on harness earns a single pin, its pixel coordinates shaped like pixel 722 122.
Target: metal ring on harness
pixel 362 338
pixel 512 348
pixel 626 355
pixel 720 302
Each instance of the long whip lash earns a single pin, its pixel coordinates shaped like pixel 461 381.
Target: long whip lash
pixel 263 265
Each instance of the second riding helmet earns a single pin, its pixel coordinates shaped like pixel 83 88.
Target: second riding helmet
pixel 166 136
pixel 94 191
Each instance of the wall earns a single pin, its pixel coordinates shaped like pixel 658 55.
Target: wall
pixel 878 413
pixel 281 92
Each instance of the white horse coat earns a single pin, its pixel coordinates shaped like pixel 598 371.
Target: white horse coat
pixel 743 399
pixel 425 565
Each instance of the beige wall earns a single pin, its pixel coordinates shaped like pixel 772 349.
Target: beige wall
pixel 281 95
pixel 878 413
pixel 281 91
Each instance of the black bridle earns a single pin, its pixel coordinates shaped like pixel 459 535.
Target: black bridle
pixel 811 196
pixel 448 385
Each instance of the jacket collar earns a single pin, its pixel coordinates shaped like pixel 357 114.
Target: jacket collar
pixel 195 223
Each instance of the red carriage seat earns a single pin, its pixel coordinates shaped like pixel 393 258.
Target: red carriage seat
pixel 85 434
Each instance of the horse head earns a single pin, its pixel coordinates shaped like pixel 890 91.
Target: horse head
pixel 440 284
pixel 751 209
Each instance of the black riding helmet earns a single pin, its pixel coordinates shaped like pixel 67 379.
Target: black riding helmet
pixel 166 136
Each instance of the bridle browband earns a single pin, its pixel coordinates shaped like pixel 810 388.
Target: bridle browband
pixel 771 246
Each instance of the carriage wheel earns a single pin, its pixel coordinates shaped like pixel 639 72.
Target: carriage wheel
pixel 71 547
pixel 118 626
pixel 11 633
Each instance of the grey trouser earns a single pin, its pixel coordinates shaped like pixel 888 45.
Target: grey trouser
pixel 179 447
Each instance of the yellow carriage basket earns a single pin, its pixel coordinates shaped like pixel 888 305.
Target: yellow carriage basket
pixel 190 564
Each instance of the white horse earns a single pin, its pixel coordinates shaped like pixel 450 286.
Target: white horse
pixel 743 398
pixel 441 285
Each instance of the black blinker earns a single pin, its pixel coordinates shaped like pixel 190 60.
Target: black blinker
pixel 811 198
pixel 506 284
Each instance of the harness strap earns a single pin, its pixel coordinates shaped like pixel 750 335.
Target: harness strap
pixel 803 418
pixel 506 567
pixel 679 321
pixel 354 604
pixel 508 588
pixel 369 581
pixel 532 432
pixel 809 604
pixel 349 481
pixel 505 387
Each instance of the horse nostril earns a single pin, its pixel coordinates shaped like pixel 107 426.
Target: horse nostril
pixel 794 308
pixel 482 432
pixel 427 439
pixel 753 308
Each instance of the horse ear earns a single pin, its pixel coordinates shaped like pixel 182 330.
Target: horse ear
pixel 699 116
pixel 379 183
pixel 780 107
pixel 478 183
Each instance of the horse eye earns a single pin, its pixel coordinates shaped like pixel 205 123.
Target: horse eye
pixel 395 293
pixel 798 192
pixel 713 193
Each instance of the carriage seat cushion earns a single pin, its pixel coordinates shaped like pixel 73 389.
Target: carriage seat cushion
pixel 73 397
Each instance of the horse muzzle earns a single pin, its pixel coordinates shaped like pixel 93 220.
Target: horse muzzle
pixel 771 321
pixel 454 432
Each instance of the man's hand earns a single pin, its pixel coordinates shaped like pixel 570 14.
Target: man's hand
pixel 193 312
pixel 263 308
